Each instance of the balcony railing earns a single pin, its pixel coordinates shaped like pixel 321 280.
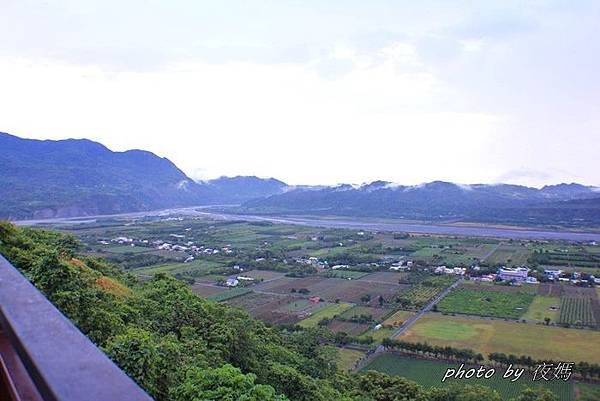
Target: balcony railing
pixel 44 357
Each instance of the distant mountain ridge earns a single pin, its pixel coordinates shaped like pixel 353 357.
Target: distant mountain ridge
pixel 79 177
pixel 562 204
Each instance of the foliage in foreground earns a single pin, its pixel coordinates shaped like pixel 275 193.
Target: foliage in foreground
pixel 180 347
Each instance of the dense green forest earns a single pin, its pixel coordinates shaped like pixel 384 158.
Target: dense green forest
pixel 180 347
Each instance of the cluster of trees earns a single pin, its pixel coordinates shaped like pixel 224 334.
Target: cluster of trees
pixel 180 347
pixel 438 352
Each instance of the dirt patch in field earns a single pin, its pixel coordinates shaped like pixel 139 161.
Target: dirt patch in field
pixel 579 292
pixel 354 329
pixel 384 277
pixel 376 313
pixel 354 290
pixel 276 308
pixel 550 290
pixel 206 290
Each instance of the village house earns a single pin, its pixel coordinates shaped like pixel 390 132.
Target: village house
pixel 516 274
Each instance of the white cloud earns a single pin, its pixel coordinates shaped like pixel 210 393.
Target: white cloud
pixel 313 93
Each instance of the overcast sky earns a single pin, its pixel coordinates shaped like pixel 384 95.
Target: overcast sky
pixel 315 92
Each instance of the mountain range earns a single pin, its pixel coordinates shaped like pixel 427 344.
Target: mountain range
pixel 79 177
pixel 563 204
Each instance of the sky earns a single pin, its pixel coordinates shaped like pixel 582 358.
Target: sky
pixel 315 92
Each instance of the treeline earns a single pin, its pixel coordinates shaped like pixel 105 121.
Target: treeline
pixel 180 347
pixel 434 351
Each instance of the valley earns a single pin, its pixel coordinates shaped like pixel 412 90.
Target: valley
pixel 362 287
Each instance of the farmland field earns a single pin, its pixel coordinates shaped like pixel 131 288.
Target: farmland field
pixel 347 358
pixel 344 274
pixel 543 307
pixel 327 312
pixel 547 289
pixel 354 329
pixel 379 334
pixel 430 374
pixel 385 277
pixel 229 294
pixel 207 290
pixel 397 318
pixel 576 311
pixel 356 311
pixel 486 303
pixel 485 336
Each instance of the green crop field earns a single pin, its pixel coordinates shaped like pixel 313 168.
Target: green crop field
pixel 543 307
pixel 344 274
pixel 486 303
pixel 487 335
pixel 326 312
pixel 576 311
pixel 430 374
pixel 229 294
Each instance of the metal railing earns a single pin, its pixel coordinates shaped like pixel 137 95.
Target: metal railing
pixel 44 357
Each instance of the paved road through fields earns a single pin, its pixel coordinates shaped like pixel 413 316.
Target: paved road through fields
pixel 408 324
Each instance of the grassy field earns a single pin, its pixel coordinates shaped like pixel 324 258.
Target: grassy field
pixel 486 335
pixel 397 318
pixel 430 374
pixel 486 303
pixel 347 358
pixel 540 309
pixel 326 312
pixel 378 335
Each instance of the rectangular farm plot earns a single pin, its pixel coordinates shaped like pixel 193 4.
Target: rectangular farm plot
pixel 352 328
pixel 329 312
pixel 398 318
pixel 385 277
pixel 345 274
pixel 286 285
pixel 354 290
pixel 486 336
pixel 543 307
pixel 580 307
pixel 229 294
pixel 577 312
pixel 275 308
pixel 486 303
pixel 376 314
pixel 348 358
pixel 550 290
pixel 207 290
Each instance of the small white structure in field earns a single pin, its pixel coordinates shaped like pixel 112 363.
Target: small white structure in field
pixel 231 282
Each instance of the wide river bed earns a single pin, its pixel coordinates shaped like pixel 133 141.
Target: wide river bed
pixel 421 228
